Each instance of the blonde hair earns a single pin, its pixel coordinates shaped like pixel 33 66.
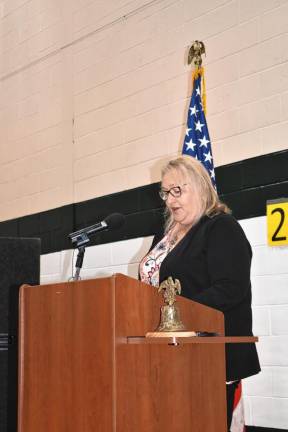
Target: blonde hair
pixel 210 204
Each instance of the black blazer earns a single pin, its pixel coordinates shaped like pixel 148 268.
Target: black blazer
pixel 212 263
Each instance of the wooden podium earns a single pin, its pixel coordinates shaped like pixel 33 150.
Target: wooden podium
pixel 84 365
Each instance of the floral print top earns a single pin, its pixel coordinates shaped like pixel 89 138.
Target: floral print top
pixel 149 267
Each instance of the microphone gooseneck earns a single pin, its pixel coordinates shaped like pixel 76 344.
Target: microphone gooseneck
pixel 81 238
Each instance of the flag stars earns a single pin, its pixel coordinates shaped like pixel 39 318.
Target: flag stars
pixel 196 142
pixel 208 157
pixel 204 141
pixel 193 111
pixel 190 145
pixel 212 173
pixel 199 126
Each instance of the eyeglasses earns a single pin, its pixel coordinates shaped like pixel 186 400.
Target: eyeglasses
pixel 175 191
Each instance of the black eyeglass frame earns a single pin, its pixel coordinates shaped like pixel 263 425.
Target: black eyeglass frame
pixel 175 191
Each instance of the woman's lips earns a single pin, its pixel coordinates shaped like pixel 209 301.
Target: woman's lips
pixel 175 209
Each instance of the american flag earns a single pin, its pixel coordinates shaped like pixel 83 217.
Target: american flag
pixel 197 141
pixel 238 418
pixel 197 144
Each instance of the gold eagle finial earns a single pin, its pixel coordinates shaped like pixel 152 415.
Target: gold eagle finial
pixel 195 52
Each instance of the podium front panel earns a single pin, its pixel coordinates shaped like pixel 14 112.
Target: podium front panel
pixel 67 364
pixel 78 373
pixel 170 388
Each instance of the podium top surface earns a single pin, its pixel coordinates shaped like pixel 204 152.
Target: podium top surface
pixel 190 340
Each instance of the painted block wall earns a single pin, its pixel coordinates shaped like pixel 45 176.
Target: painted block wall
pixel 266 402
pixel 93 95
pixel 266 394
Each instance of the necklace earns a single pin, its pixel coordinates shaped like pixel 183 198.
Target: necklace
pixel 176 235
pixel 172 240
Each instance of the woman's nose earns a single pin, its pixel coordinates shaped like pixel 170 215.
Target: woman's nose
pixel 170 198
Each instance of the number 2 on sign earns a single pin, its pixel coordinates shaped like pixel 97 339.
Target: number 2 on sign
pixel 277 223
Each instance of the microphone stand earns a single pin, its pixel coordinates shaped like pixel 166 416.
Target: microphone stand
pixel 79 263
pixel 80 238
pixel 81 241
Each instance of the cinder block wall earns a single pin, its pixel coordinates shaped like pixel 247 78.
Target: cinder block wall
pixel 94 94
pixel 93 97
pixel 266 394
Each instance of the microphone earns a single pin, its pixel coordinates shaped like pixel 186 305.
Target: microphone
pixel 81 237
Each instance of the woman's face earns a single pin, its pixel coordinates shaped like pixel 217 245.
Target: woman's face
pixel 185 208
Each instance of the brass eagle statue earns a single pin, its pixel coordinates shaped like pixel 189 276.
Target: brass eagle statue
pixel 194 55
pixel 171 289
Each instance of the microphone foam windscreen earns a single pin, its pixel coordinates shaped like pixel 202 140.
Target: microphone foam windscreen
pixel 115 220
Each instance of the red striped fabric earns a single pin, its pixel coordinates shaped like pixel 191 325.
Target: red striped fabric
pixel 238 421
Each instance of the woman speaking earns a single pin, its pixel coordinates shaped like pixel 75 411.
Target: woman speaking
pixel 204 247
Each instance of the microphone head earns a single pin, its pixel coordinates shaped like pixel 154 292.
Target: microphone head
pixel 115 220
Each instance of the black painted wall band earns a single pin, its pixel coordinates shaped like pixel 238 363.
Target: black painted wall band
pixel 262 429
pixel 244 186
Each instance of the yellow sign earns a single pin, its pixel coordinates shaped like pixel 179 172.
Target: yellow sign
pixel 277 222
